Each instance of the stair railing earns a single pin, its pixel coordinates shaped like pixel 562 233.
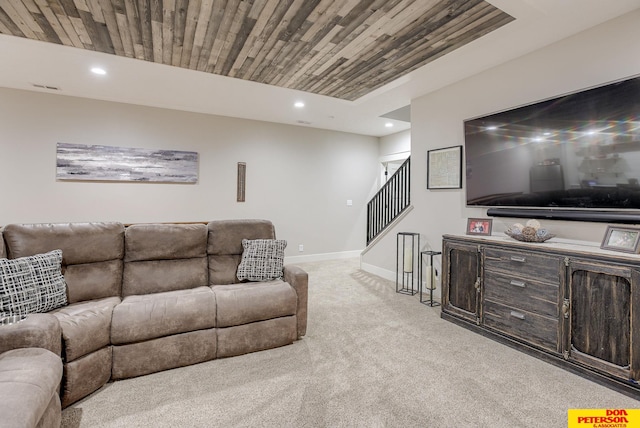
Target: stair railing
pixel 390 201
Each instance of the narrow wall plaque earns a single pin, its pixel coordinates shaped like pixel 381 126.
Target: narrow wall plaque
pixel 242 176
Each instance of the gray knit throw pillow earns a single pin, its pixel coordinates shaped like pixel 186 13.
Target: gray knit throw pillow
pixel 262 259
pixel 32 284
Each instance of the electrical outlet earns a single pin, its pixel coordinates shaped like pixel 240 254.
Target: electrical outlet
pixel 301 248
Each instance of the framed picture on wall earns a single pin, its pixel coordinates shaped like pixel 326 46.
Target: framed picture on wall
pixel 479 226
pixel 444 168
pixel 625 239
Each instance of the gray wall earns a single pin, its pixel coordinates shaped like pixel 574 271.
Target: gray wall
pixel 300 178
pixel 602 54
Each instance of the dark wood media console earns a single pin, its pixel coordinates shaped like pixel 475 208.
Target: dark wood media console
pixel 575 306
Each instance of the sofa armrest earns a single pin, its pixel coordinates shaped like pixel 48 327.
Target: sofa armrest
pixel 36 331
pixel 299 280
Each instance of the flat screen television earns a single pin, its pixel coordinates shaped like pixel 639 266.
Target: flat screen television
pixel 578 153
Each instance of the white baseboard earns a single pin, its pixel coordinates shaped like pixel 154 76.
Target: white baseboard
pixel 391 276
pixel 321 257
pixel 383 273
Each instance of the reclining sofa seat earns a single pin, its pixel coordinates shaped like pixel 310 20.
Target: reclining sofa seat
pixel 92 266
pixel 252 316
pixel 168 313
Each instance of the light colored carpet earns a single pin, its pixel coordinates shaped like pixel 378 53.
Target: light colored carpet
pixel 371 358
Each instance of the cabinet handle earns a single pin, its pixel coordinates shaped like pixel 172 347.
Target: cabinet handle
pixel 566 305
pixel 516 283
pixel 519 259
pixel 518 315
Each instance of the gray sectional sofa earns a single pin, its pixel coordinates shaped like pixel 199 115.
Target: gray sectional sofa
pixel 144 298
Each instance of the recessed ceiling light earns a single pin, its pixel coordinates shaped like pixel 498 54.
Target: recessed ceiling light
pixel 492 128
pixel 388 125
pixel 299 104
pixel 98 70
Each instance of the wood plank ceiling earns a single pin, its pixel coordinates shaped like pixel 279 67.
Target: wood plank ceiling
pixel 338 48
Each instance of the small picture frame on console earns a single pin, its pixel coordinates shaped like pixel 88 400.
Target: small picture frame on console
pixel 625 239
pixel 479 226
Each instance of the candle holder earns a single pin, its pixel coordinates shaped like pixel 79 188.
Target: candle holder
pixel 407 263
pixel 429 277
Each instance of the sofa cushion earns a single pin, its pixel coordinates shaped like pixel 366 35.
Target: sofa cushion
pixel 29 378
pixel 224 269
pixel 157 276
pixel 225 246
pixel 91 281
pixel 32 284
pixel 86 326
pixel 149 316
pixel 85 247
pixel 165 241
pixel 245 303
pixel 79 242
pixel 262 259
pixel 164 257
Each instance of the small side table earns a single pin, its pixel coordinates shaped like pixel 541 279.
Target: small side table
pixel 432 281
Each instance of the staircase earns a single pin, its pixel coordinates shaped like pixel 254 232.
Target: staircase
pixel 389 202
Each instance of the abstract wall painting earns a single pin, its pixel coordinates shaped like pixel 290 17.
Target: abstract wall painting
pixel 109 163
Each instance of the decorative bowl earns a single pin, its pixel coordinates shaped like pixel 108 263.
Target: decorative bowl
pixel 528 238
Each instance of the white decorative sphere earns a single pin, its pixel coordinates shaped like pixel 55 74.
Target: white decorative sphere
pixel 534 223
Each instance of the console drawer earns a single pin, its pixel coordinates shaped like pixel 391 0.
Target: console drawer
pixel 522 293
pixel 531 328
pixel 522 263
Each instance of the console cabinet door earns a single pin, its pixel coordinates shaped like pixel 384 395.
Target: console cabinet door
pixel 601 316
pixel 461 280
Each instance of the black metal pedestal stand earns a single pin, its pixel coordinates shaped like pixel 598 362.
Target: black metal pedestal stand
pixel 407 253
pixel 432 281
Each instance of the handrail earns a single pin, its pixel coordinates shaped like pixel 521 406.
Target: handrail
pixel 390 201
